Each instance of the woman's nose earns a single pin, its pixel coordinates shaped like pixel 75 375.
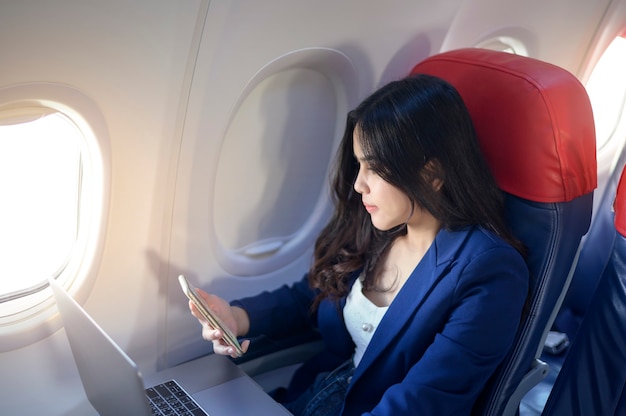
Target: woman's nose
pixel 359 185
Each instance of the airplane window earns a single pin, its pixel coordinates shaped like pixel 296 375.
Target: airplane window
pixel 54 185
pixel 504 44
pixel 607 90
pixel 40 176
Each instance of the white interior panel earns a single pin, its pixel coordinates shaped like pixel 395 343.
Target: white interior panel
pixel 264 183
pixel 559 32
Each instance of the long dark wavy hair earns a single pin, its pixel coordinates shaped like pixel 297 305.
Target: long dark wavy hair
pixel 412 131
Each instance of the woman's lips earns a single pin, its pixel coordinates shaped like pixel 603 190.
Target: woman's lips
pixel 369 208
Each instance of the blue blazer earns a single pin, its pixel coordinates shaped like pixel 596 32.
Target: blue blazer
pixel 444 334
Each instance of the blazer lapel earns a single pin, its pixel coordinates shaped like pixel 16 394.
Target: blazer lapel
pixel 416 289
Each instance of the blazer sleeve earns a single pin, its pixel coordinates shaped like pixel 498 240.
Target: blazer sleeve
pixel 281 311
pixel 482 319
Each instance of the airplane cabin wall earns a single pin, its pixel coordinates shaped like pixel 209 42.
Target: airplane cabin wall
pixel 211 107
pixel 131 59
pixel 168 79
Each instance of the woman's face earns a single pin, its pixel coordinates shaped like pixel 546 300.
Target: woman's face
pixel 387 205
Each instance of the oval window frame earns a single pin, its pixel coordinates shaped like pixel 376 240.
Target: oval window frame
pixel 504 43
pixel 275 254
pixel 33 316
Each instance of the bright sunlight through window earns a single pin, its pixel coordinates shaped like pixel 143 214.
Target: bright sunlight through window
pixel 607 90
pixel 40 176
pixel 54 185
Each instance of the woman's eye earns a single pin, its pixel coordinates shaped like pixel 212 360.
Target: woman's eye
pixel 369 168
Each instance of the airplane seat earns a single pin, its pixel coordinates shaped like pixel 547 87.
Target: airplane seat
pixel 535 127
pixel 594 257
pixel 593 376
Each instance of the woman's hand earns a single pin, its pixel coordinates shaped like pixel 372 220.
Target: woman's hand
pixel 236 319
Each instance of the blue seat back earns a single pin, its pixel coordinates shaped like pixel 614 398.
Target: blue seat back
pixel 594 256
pixel 593 376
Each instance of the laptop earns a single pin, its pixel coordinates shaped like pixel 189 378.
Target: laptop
pixel 114 385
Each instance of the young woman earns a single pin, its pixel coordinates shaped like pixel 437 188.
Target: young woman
pixel 417 287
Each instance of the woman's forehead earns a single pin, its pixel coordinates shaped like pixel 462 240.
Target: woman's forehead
pixel 357 147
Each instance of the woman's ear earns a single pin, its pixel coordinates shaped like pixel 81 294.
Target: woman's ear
pixel 433 173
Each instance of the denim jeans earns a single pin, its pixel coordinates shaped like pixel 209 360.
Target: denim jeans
pixel 326 395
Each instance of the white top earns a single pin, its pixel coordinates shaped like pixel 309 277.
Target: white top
pixel 362 318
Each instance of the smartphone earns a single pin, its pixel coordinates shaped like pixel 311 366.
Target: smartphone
pixel 229 338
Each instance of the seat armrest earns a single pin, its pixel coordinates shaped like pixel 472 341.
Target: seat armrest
pixel 266 354
pixel 538 372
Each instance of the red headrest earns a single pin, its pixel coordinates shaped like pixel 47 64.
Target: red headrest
pixel 620 205
pixel 533 119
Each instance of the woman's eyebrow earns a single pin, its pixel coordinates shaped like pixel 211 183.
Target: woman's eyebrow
pixel 363 158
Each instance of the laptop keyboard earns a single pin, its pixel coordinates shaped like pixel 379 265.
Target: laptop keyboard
pixel 171 400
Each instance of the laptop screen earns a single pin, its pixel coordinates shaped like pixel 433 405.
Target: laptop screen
pixel 111 380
